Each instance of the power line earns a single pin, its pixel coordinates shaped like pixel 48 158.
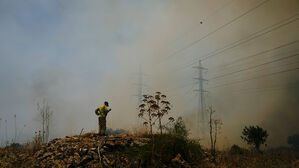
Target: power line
pixel 266 75
pixel 250 56
pixel 259 65
pixel 254 35
pixel 216 11
pixel 292 85
pixel 274 56
pixel 219 28
pixel 248 38
pixel 281 65
pixel 257 54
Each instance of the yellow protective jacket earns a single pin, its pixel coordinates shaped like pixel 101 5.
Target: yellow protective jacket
pixel 103 110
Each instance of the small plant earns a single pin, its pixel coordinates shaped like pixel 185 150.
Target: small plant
pixel 294 141
pixel 154 108
pixel 254 135
pixel 37 141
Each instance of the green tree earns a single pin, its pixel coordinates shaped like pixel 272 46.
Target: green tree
pixel 254 135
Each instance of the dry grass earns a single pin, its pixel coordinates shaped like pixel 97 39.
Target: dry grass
pixel 277 158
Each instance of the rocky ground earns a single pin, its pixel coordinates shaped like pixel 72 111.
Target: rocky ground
pixel 91 150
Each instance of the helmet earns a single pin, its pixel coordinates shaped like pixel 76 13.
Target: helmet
pixel 106 103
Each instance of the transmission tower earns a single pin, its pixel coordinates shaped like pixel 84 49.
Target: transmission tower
pixel 140 86
pixel 140 89
pixel 201 118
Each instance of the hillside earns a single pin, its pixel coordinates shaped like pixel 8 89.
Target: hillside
pixel 130 151
pixel 88 150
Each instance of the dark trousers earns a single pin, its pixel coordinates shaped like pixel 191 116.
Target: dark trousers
pixel 102 125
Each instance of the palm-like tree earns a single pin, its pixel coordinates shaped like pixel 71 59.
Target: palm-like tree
pixel 154 108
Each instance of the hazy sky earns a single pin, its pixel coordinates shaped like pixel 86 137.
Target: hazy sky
pixel 76 54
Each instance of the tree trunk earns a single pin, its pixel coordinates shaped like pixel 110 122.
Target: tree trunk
pixel 150 122
pixel 160 125
pixel 211 132
pixel 257 147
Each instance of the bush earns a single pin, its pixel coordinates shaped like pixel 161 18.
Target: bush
pixel 163 148
pixel 254 135
pixel 110 131
pixel 235 149
pixel 294 141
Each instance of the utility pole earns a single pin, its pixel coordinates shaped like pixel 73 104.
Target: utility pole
pixel 6 142
pixel 48 117
pixel 0 132
pixel 15 139
pixel 201 118
pixel 140 86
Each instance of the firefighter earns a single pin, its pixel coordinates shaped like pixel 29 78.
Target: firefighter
pixel 102 112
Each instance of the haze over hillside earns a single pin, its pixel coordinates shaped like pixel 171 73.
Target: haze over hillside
pixel 77 54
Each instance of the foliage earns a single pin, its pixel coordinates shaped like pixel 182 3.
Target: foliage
pixel 254 135
pixel 111 131
pixel 178 129
pixel 294 141
pixel 154 108
pixel 163 148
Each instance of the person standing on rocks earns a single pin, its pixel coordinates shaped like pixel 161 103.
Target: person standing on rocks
pixel 102 112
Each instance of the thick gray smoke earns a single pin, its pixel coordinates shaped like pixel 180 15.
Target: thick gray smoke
pixel 78 54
